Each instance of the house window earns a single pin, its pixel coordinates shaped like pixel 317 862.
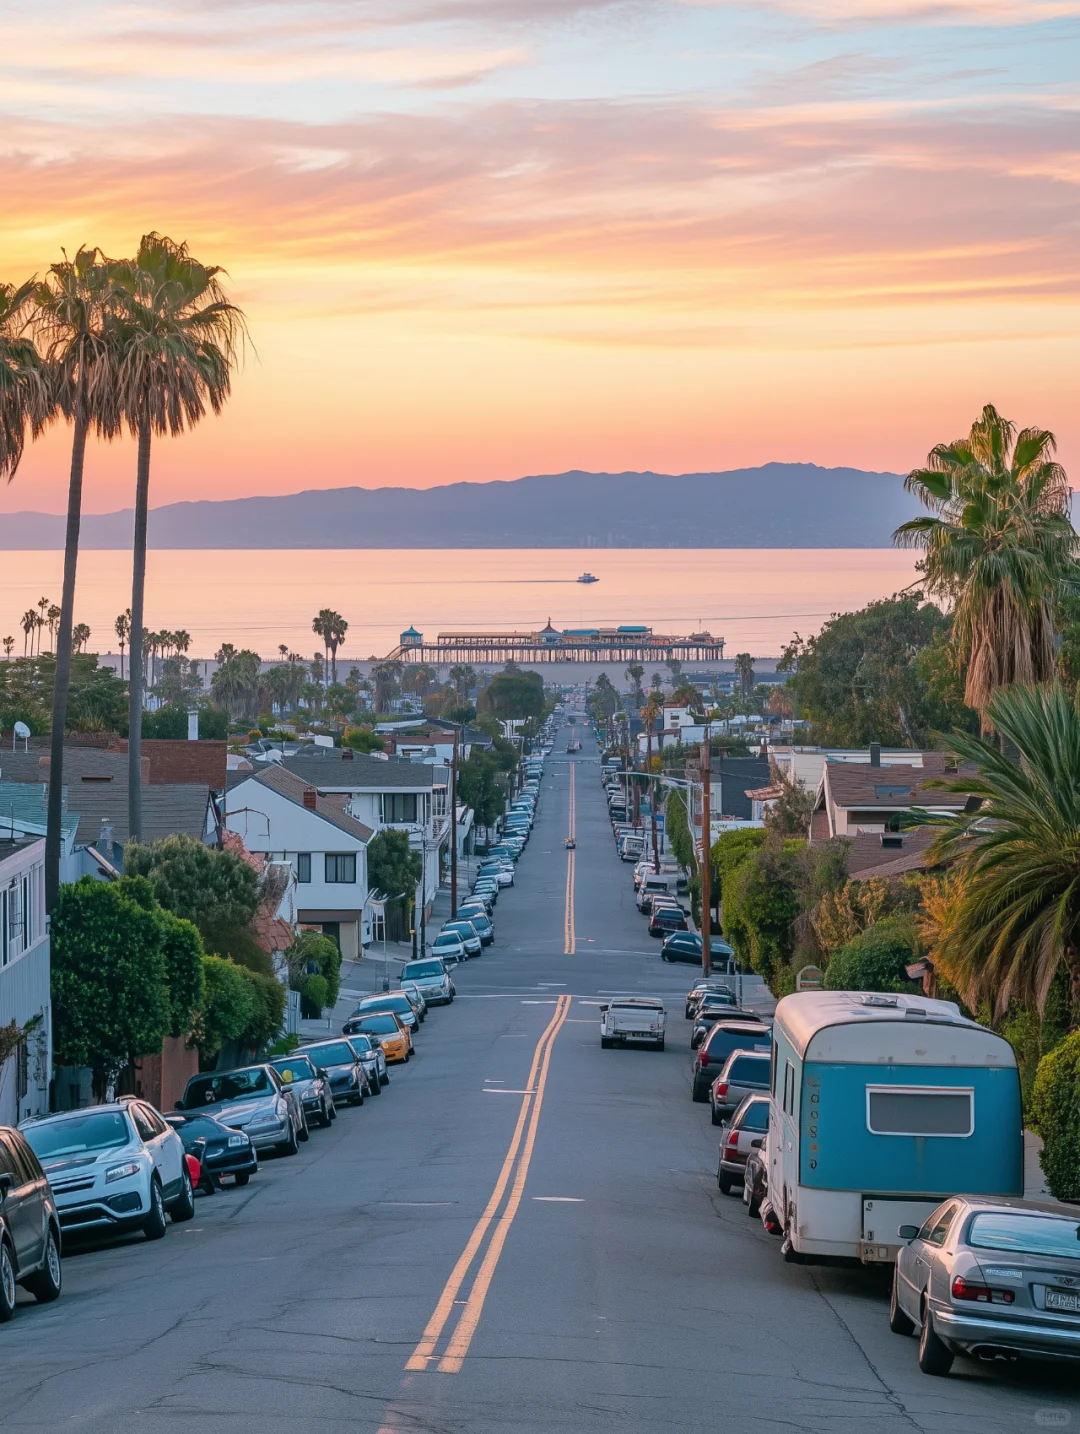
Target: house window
pixel 920 1110
pixel 398 807
pixel 440 807
pixel 340 867
pixel 303 866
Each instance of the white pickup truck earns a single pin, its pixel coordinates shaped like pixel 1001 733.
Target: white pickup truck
pixel 633 1020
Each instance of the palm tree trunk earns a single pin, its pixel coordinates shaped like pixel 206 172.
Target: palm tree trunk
pixel 135 636
pixel 62 681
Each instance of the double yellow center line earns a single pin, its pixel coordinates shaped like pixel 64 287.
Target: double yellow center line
pixel 569 934
pixel 512 1177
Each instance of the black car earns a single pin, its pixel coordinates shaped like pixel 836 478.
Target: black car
pixel 666 919
pixel 709 1012
pixel 217 1148
pixel 700 989
pixel 29 1227
pixel 725 1037
pixel 344 1069
pixel 686 946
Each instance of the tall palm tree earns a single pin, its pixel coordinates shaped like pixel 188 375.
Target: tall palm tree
pixel 179 339
pixel 122 628
pixel 25 402
pixel 80 636
pixel 1012 917
pixel 72 307
pixel 635 671
pixel 744 671
pixel 999 544
pixel 28 623
pixel 9 647
pixel 331 627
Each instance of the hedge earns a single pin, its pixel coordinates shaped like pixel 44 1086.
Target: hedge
pixel 1056 1116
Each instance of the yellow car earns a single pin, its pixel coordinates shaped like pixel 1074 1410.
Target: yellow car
pixel 388 1030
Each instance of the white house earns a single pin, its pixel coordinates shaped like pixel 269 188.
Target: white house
pixel 284 818
pixel 24 974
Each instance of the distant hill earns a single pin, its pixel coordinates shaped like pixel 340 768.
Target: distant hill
pixel 779 505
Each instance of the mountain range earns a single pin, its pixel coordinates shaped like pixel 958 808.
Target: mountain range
pixel 777 505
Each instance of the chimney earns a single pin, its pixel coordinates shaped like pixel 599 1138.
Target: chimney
pixel 310 798
pixel 193 724
pixel 875 754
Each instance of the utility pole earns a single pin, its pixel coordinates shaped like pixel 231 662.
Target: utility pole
pixel 453 830
pixel 706 861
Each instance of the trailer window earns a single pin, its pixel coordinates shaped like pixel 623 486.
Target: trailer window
pixel 918 1110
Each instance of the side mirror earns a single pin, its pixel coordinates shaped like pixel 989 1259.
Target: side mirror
pixel 908 1232
pixel 178 1105
pixel 6 1182
pixel 323 1074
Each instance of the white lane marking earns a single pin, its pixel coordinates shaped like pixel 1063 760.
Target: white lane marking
pixel 560 1199
pixel 489 1090
pixel 415 1204
pixel 538 1003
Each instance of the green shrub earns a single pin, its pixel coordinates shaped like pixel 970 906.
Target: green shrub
pixel 875 959
pixel 314 965
pixel 1056 1116
pixel 314 996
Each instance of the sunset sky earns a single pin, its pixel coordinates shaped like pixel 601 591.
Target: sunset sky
pixel 482 238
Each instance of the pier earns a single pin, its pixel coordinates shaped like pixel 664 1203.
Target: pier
pixel 628 643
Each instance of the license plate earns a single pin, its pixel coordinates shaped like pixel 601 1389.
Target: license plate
pixel 1063 1300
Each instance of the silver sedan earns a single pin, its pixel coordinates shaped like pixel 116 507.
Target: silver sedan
pixel 989 1278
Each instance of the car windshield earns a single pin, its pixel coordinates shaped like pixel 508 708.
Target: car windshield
pixel 1026 1234
pixel 198 1127
pixel 334 1053
pixel 382 1025
pixel 449 938
pixel 78 1134
pixel 461 927
pixel 384 1003
pixel 755 1116
pixel 716 998
pixel 361 1044
pixel 235 1085
pixel 750 1070
pixel 294 1068
pixel 417 969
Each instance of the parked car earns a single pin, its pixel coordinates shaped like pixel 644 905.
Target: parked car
pixel 113 1168
pixel 218 1149
pixel 395 1001
pixel 373 1059
pixel 432 978
pixel 468 933
pixel 448 946
pixel 481 921
pixel 744 1073
pixel 310 1086
pixel 717 1006
pixel 253 1099
pixel 666 919
pixel 416 999
pixel 29 1226
pixel 743 1133
pixel 756 1177
pixel 503 875
pixel 725 1037
pixel 686 946
pixel 989 1278
pixel 632 1020
pixel 478 905
pixel 487 890
pixel 349 1081
pixel 385 1028
pixel 699 988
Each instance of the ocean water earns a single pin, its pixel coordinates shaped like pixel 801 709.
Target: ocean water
pixel 755 598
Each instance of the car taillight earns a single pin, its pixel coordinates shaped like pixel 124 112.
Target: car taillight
pixel 981 1294
pixel 721 1090
pixel 703 1058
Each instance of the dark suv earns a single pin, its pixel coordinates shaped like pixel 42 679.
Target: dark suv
pixel 29 1228
pixel 726 1036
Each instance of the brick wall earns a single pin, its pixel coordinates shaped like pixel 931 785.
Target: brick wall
pixel 176 761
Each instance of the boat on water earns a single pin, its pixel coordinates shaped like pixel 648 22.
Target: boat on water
pixel 588 578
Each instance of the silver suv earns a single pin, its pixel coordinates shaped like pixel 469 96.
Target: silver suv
pixel 433 979
pixel 113 1167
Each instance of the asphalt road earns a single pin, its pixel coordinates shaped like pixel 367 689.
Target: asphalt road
pixel 462 1258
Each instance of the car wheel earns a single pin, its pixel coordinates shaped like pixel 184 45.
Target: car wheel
pixel 242 1177
pixel 376 1085
pixel 899 1322
pixel 717 1118
pixel 154 1226
pixel 724 1182
pixel 385 1078
pixel 291 1145
pixel 698 1095
pixel 660 1044
pixel 606 1043
pixel 753 1207
pixel 934 1356
pixel 304 1133
pixel 45 1284
pixel 183 1207
pixel 7 1283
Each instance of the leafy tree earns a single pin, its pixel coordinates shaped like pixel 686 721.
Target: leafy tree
pixel 790 813
pixel 363 739
pixel 229 1006
pixel 214 889
pixel 864 677
pixel 387 679
pixel 393 867
pixel 999 544
pixel 184 973
pixel 744 671
pixel 1056 1115
pixel 314 966
pixel 110 994
pixel 761 903
pixel 874 960
pixel 235 684
pixel 677 827
pixel 479 786
pixel 513 696
pixel 1012 918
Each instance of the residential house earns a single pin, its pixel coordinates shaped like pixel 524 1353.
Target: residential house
pixel 24 973
pixel 283 817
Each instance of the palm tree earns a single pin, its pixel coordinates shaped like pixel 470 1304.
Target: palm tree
pixel 331 627
pixel 28 623
pixel 463 676
pixel 387 676
pixel 635 671
pixel 9 646
pixel 744 671
pixel 80 636
pixel 71 318
pixel 122 628
pixel 1000 546
pixel 52 618
pixel 25 402
pixel 1011 919
pixel 178 338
